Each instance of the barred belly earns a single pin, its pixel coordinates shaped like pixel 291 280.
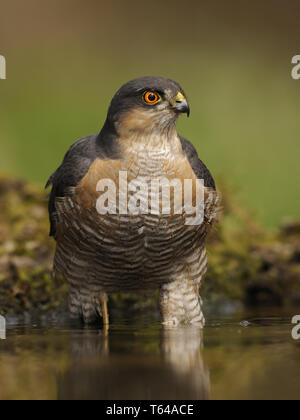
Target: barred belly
pixel 114 253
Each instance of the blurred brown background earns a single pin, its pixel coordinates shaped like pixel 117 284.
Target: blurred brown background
pixel 66 59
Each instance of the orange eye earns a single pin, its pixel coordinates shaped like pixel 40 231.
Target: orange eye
pixel 151 98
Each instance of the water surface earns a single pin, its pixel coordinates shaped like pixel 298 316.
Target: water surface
pixel 139 359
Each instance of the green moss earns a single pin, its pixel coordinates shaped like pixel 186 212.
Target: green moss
pixel 26 251
pixel 250 264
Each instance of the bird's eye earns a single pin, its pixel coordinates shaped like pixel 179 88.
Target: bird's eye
pixel 151 98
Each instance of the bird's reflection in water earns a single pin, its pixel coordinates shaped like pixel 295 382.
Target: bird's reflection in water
pixel 165 364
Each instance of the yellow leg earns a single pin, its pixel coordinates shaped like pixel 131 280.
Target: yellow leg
pixel 105 314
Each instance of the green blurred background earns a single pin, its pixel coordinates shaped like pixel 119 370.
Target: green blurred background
pixel 66 59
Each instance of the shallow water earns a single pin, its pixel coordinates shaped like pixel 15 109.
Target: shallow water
pixel 139 359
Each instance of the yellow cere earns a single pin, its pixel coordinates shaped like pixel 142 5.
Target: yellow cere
pixel 180 97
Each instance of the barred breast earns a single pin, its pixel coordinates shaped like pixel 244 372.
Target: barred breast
pixel 112 253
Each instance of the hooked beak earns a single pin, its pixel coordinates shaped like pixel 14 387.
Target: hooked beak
pixel 181 105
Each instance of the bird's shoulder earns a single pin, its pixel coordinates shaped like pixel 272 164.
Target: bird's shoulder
pixel 81 156
pixel 77 163
pixel 212 198
pixel 199 168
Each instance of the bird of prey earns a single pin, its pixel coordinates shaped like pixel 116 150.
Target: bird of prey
pixel 101 253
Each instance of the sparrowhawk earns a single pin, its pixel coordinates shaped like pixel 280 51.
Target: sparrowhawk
pixel 100 253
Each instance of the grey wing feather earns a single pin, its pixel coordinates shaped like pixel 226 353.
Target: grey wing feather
pixel 197 165
pixel 76 164
pixel 201 171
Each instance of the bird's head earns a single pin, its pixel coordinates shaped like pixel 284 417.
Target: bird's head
pixel 147 105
